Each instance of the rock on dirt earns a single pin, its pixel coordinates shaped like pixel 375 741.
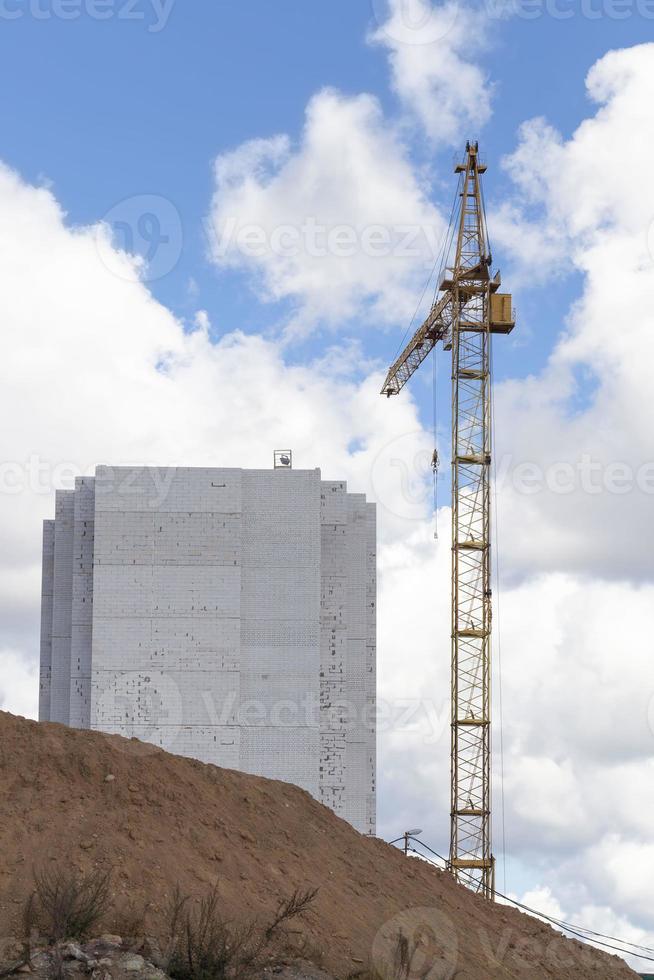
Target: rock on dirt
pixel 96 960
pixel 164 821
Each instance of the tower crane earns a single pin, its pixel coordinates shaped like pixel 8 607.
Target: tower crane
pixel 467 312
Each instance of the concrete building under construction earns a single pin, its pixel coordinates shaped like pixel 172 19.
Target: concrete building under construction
pixel 224 614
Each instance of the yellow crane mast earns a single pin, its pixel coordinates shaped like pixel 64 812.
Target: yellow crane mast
pixel 468 310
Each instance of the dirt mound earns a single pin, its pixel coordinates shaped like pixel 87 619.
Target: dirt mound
pixel 160 820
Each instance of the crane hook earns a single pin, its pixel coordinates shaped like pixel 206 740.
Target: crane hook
pixel 435 464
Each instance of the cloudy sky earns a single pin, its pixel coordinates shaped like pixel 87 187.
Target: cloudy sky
pixel 216 223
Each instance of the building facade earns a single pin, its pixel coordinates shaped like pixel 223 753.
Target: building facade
pixel 223 614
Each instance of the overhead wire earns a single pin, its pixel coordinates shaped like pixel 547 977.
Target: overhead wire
pixel 412 321
pixel 439 263
pixel 449 239
pixel 489 250
pixel 581 932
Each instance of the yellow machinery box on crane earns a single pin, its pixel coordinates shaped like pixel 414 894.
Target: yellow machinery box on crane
pixel 501 310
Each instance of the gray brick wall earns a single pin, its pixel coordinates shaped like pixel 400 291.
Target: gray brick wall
pixel 47 598
pixel 82 603
pixel 333 646
pixel 223 614
pixel 280 614
pixel 62 606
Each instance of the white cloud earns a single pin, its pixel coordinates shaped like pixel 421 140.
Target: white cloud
pixel 623 869
pixel 432 54
pixel 586 421
pixel 541 898
pixel 94 370
pixel 19 684
pixel 339 225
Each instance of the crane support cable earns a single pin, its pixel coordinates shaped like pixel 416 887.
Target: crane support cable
pixel 581 932
pixel 435 460
pixel 439 262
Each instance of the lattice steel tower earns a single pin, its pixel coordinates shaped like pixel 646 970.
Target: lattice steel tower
pixel 468 311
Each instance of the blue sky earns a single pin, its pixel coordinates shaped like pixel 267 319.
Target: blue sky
pixel 123 120
pixel 109 109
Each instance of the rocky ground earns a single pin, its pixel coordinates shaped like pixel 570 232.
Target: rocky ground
pixel 112 958
pixel 106 958
pixel 157 822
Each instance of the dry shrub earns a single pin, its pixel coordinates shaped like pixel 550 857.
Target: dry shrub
pixel 207 947
pixel 130 920
pixel 69 906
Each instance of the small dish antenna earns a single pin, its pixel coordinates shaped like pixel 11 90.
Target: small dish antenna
pixel 283 459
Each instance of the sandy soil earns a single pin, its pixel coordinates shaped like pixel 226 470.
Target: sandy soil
pixel 88 799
